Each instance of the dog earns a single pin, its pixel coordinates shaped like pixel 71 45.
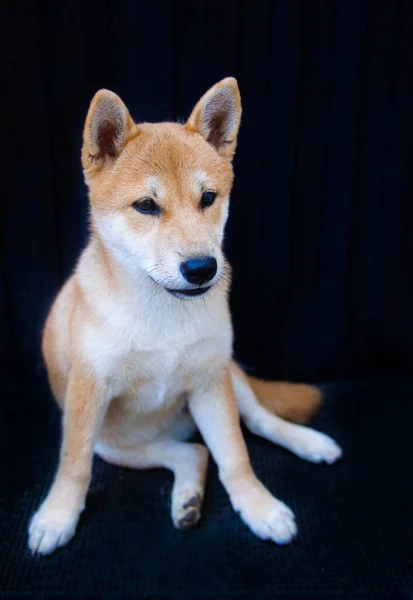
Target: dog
pixel 138 343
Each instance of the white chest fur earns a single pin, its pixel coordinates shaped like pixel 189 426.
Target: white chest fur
pixel 159 350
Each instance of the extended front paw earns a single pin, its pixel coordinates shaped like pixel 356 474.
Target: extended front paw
pixel 267 517
pixel 51 528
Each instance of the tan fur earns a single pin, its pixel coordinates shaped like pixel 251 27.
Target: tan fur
pixel 135 367
pixel 291 401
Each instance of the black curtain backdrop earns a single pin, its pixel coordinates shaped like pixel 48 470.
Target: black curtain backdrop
pixel 321 227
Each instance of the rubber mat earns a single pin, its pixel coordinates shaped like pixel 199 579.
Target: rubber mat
pixel 355 518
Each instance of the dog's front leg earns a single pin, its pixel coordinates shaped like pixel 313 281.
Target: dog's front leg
pixel 54 524
pixel 215 412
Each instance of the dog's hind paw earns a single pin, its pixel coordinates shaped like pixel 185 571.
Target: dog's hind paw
pixel 316 447
pixel 186 509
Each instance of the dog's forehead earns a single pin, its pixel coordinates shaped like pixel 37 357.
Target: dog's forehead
pixel 166 149
pixel 158 184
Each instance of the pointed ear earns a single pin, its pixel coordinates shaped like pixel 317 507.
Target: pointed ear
pixel 217 117
pixel 107 128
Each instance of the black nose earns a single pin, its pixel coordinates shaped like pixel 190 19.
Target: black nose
pixel 199 270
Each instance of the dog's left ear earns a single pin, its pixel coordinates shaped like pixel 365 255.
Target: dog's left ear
pixel 107 129
pixel 217 117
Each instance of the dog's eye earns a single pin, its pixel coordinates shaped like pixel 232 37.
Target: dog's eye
pixel 147 206
pixel 208 198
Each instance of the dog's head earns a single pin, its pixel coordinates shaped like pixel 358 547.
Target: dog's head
pixel 159 193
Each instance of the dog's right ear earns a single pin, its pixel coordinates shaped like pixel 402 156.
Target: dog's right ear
pixel 107 128
pixel 217 117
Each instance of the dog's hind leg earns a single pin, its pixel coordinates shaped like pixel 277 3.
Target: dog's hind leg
pixel 188 463
pixel 302 441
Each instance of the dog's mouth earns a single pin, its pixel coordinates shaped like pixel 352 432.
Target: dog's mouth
pixel 185 293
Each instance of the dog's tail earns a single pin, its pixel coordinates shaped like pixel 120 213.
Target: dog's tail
pixel 294 402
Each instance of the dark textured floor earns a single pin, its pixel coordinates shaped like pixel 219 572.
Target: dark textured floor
pixel 355 518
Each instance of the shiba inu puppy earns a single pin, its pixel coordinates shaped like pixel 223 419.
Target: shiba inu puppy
pixel 138 343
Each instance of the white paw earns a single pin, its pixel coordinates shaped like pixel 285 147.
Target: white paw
pixel 316 447
pixel 49 530
pixel 186 507
pixel 267 517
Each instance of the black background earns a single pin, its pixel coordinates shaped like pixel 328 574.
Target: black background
pixel 321 227
pixel 321 241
